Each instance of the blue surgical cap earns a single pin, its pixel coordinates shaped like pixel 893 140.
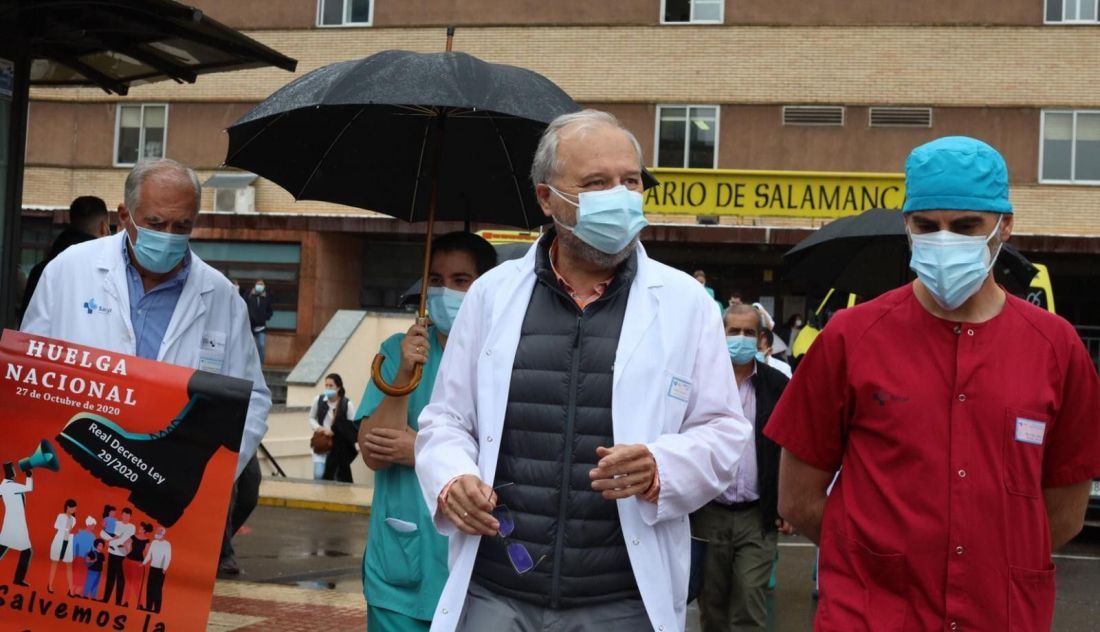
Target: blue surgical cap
pixel 956 173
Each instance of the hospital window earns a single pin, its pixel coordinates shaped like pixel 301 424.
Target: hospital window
pixel 1070 150
pixel 687 136
pixel 692 11
pixel 140 133
pixel 1072 12
pixel 245 262
pixel 345 12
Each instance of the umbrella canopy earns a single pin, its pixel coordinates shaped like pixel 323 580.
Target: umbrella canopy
pixel 868 254
pixel 366 133
pixel 114 44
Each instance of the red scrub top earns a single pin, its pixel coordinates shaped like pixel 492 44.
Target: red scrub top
pixel 945 435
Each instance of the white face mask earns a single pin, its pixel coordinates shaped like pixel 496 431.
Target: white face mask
pixel 607 220
pixel 952 266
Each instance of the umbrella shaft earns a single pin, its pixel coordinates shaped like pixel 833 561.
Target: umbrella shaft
pixel 437 153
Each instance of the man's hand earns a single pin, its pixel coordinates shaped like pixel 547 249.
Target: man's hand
pixel 468 503
pixel 784 527
pixel 414 350
pixel 623 471
pixel 390 446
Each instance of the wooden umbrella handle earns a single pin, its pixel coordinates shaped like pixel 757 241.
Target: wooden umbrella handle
pixel 393 391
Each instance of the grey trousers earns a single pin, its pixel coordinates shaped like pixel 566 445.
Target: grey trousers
pixel 736 568
pixel 485 610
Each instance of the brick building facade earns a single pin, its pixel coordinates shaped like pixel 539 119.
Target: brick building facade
pixel 1001 70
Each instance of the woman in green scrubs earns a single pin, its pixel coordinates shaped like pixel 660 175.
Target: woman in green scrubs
pixel 405 563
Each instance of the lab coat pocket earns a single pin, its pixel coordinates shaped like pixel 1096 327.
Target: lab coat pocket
pixel 399 547
pixel 1030 599
pixel 212 351
pixel 1024 436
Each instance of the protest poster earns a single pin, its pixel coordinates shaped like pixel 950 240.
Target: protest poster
pixel 117 478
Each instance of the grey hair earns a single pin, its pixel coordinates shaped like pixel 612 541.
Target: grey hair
pixel 170 168
pixel 742 308
pixel 546 165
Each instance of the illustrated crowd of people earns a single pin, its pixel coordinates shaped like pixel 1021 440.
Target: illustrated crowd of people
pixel 101 558
pixel 584 411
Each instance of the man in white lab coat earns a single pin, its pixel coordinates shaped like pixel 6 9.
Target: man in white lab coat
pixel 14 535
pixel 144 293
pixel 583 408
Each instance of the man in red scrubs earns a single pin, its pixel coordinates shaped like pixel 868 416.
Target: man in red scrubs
pixel 963 421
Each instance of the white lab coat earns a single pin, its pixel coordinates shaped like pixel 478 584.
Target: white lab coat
pixel 14 534
pixel 209 329
pixel 673 390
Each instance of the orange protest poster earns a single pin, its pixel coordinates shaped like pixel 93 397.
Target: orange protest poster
pixel 117 474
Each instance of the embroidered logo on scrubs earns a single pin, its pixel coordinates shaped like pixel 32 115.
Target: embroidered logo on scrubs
pixel 1030 431
pixel 91 307
pixel 883 397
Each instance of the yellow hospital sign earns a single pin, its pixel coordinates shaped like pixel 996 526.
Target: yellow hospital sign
pixel 772 193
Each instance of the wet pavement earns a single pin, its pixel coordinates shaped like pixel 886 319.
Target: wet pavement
pixel 315 557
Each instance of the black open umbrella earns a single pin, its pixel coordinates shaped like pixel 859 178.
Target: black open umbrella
pixel 370 133
pixel 416 136
pixel 868 254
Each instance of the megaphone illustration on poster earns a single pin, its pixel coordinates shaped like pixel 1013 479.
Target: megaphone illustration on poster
pixel 44 456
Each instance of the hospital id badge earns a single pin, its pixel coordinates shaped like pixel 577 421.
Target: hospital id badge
pixel 679 388
pixel 1030 431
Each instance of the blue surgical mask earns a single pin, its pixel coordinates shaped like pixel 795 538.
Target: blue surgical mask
pixel 158 252
pixel 761 357
pixel 443 304
pixel 742 348
pixel 330 393
pixel 607 220
pixel 952 266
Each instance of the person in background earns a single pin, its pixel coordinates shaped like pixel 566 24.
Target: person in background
pixel 789 330
pixel 331 415
pixel 88 220
pixel 259 312
pixel 734 299
pixel 741 525
pixel 701 277
pixel 764 353
pixel 402 588
pixel 777 346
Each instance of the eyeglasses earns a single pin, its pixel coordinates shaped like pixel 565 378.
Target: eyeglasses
pixel 735 331
pixel 518 554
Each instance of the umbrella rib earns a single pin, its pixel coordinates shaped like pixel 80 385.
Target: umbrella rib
pixel 419 170
pixel 327 151
pixel 511 170
pixel 273 121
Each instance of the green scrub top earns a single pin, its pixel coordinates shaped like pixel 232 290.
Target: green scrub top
pixel 405 563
